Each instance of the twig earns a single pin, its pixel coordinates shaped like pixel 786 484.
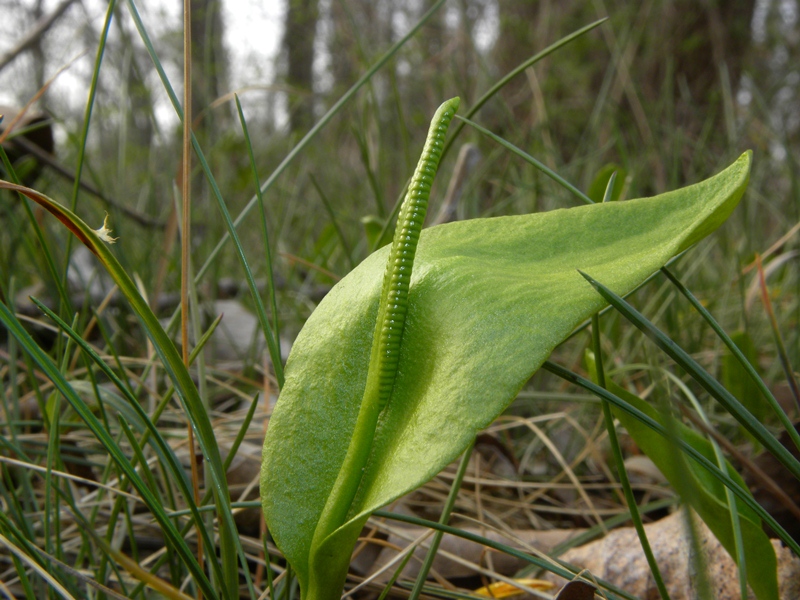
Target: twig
pixel 39 29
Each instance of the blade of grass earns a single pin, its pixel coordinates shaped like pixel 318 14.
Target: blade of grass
pixel 130 565
pixel 603 528
pixel 557 567
pixel 329 209
pixel 50 370
pixel 443 519
pixel 273 342
pixel 779 412
pixel 36 567
pixel 776 332
pixel 616 450
pixel 366 160
pixel 724 478
pixel 242 432
pixel 736 526
pixel 87 116
pixel 528 158
pixel 711 385
pixel 519 69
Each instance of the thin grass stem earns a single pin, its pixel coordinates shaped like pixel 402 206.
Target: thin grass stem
pixel 616 450
pixel 443 519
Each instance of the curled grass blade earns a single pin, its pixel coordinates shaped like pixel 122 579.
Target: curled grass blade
pixel 163 345
pixel 43 247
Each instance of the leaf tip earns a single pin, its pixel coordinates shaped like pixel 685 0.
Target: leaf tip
pixel 587 278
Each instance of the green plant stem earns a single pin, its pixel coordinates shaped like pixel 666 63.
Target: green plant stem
pixel 387 336
pixel 616 450
pixel 443 519
pixel 557 567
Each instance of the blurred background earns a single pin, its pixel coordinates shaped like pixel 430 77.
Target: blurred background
pixel 664 92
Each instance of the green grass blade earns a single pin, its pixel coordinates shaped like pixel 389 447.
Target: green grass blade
pixel 22 556
pixel 559 568
pixel 273 340
pixel 776 334
pixel 153 503
pixel 777 409
pixel 519 69
pixel 528 158
pixel 86 119
pixel 723 477
pixel 329 209
pixel 447 509
pixel 601 529
pixel 140 417
pixel 616 450
pixel 711 385
pixel 241 434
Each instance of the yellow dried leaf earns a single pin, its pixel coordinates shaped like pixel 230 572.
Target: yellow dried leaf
pixel 501 589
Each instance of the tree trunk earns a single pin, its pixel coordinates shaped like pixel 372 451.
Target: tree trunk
pixel 209 63
pixel 298 43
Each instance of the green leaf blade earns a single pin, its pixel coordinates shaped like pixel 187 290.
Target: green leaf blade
pixel 703 492
pixel 504 288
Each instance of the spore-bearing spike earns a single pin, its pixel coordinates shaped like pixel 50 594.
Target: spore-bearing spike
pixel 394 295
